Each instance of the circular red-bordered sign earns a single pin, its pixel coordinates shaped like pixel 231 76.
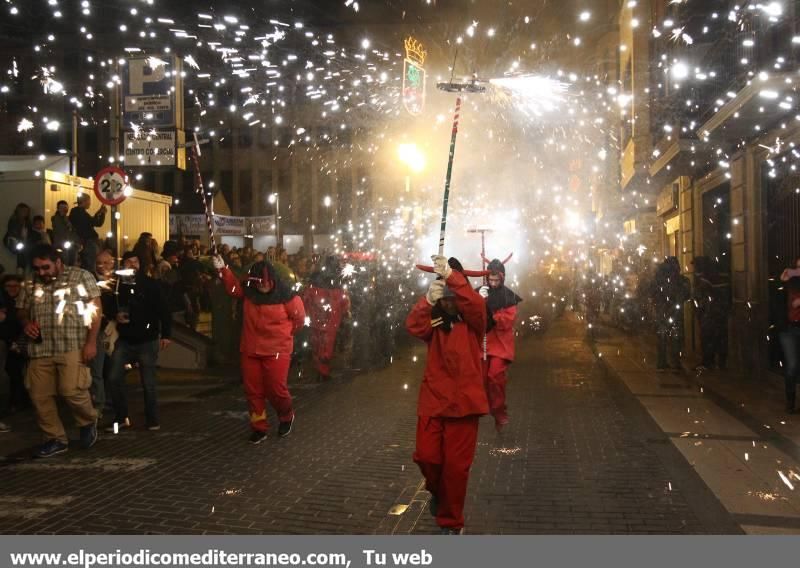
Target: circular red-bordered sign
pixel 110 184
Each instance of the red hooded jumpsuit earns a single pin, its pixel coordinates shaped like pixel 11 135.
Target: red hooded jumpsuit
pixel 500 354
pixel 266 352
pixel 452 398
pixel 326 309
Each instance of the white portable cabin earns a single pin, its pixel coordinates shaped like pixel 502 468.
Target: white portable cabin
pixel 42 189
pixel 22 182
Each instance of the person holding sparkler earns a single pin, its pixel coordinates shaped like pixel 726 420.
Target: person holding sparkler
pixel 144 324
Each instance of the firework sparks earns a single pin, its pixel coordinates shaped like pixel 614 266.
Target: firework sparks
pixel 533 95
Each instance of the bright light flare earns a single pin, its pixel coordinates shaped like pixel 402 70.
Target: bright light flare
pixel 573 221
pixel 411 156
pixel 680 71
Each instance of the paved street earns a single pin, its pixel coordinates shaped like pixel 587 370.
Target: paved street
pixel 582 456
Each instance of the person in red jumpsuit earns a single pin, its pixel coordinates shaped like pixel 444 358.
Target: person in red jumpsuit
pixel 272 315
pixel 501 305
pixel 327 305
pixel 451 319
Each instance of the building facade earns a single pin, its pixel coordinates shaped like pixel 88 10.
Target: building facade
pixel 708 139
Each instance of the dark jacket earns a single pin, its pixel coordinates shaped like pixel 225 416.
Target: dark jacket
pixel 18 232
pixel 62 231
pixel 712 299
pixel 83 224
pixel 669 291
pixel 145 301
pixel 10 328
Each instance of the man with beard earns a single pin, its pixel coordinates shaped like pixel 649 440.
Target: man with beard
pixel 60 313
pixel 272 314
pixel 501 308
pixel 451 319
pixel 327 304
pixel 144 324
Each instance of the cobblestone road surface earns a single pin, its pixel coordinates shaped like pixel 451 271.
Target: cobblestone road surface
pixel 580 456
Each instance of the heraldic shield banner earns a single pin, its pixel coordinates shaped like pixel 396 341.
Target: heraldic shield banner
pixel 414 77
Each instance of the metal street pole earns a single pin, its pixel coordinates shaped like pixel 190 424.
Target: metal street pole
pixel 73 160
pixel 443 226
pixel 114 154
pixel 278 242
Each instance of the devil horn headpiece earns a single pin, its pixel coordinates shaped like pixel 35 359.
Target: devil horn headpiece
pixel 504 262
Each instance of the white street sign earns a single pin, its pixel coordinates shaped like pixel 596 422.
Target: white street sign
pixel 150 149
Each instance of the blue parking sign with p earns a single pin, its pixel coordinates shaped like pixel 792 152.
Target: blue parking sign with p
pixel 152 93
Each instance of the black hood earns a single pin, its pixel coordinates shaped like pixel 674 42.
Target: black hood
pixel 328 276
pixel 280 293
pixel 499 299
pixel 502 297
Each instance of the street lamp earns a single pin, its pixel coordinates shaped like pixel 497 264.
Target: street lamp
pixel 275 199
pixel 413 158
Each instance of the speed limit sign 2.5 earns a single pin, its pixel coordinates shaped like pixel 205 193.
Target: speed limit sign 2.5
pixel 110 184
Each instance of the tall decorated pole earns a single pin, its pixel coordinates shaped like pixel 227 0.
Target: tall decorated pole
pixel 199 187
pixel 485 280
pixel 453 137
pixel 471 86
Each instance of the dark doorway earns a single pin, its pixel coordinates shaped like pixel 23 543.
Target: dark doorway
pixel 717 227
pixel 783 247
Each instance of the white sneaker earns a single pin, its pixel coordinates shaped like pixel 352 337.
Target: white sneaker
pixel 4 427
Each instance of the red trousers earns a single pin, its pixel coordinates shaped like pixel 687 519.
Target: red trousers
pixel 323 343
pixel 266 379
pixel 495 378
pixel 445 450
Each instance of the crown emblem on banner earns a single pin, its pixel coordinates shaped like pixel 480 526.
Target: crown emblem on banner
pixel 414 51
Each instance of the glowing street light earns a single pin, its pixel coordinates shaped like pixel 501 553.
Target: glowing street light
pixel 275 199
pixel 412 157
pixel 680 71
